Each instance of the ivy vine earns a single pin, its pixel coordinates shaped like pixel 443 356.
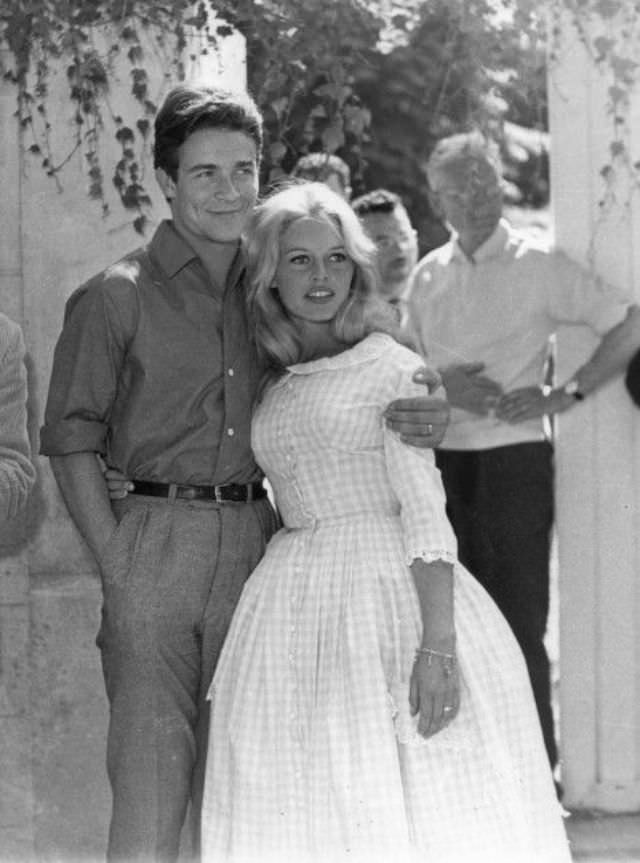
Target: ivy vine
pixel 307 61
pixel 609 31
pixel 39 33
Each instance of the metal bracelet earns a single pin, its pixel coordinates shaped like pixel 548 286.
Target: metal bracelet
pixel 448 659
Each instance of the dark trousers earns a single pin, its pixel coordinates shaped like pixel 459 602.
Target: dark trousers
pixel 500 503
pixel 172 576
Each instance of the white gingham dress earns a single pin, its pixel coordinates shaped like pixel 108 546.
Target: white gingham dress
pixel 313 754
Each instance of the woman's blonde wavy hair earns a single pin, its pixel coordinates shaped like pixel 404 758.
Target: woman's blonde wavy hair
pixel 278 340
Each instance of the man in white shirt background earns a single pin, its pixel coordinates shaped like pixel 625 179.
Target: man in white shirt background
pixel 483 307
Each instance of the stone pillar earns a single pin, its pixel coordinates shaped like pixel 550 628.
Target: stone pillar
pixel 54 796
pixel 598 446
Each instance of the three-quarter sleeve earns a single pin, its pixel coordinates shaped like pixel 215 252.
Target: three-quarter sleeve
pixel 86 366
pixel 417 483
pixel 17 473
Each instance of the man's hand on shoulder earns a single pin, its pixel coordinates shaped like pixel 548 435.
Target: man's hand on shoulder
pixel 469 389
pixel 420 421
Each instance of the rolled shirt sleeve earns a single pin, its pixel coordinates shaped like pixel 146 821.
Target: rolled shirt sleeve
pixel 578 296
pixel 87 362
pixel 17 473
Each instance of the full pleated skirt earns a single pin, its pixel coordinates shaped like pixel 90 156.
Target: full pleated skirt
pixel 313 754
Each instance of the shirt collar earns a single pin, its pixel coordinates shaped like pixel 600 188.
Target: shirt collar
pixel 173 252
pixel 169 249
pixel 492 247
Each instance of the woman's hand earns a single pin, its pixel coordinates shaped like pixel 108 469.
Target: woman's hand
pixel 117 483
pixel 434 692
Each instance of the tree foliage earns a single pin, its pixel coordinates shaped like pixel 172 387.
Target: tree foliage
pixel 459 69
pixel 376 81
pixel 302 58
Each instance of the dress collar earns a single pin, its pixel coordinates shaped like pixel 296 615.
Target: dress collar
pixel 370 348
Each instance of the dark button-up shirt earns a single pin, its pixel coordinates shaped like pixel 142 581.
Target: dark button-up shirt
pixel 154 370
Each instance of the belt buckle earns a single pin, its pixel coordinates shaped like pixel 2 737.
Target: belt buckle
pixel 187 492
pixel 217 494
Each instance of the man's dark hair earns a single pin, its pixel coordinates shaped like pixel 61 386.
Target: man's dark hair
pixel 189 108
pixel 316 167
pixel 377 201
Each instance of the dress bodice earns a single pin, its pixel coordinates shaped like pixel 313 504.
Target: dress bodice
pixel 320 437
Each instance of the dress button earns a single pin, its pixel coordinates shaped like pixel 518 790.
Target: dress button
pixel 230 372
pixel 230 432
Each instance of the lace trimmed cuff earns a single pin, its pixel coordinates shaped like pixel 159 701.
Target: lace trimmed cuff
pixel 430 556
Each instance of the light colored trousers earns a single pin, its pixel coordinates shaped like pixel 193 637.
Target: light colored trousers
pixel 172 576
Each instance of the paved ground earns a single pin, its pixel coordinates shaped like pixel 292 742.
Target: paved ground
pixel 601 838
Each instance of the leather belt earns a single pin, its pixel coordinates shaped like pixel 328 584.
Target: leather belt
pixel 232 493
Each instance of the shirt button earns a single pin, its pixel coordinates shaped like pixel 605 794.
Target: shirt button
pixel 230 373
pixel 230 432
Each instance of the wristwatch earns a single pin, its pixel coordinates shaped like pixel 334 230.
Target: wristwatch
pixel 572 388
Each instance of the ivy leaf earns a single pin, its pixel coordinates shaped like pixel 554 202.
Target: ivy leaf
pixel 617 94
pixel 135 54
pixel 124 135
pixel 140 223
pixel 616 148
pixel 133 196
pixel 603 45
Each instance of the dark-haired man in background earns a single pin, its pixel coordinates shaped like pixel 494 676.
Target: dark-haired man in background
pixel 385 219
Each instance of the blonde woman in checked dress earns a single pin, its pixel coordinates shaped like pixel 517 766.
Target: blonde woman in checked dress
pixel 370 702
